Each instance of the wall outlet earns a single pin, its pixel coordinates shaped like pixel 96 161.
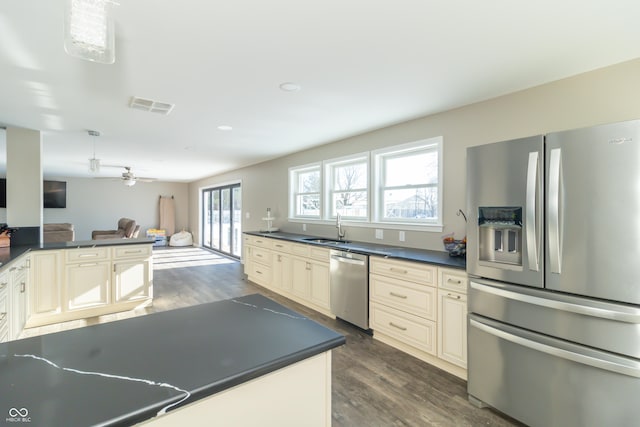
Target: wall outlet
pixel 304 227
pixel 401 236
pixel 379 234
pixel 247 215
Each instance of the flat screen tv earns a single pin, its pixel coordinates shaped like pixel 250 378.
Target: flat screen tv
pixel 55 194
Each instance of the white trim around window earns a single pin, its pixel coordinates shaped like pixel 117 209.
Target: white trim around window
pixel 346 186
pixel 408 183
pixel 305 192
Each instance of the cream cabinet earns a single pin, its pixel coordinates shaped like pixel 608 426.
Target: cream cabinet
pixel 296 270
pixel 69 284
pixel 132 273
pixel 87 278
pixel 4 306
pixel 282 267
pixel 452 316
pixel 403 302
pixel 46 296
pixel 18 284
pixel 421 309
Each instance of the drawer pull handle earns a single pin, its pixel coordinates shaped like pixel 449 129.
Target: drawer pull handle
pixel 279 258
pixel 93 264
pixel 279 246
pixel 393 294
pixel 22 287
pixel 88 255
pixel 398 270
pixel 258 271
pixel 133 252
pixel 458 282
pixel 453 296
pixel 402 328
pixel 259 255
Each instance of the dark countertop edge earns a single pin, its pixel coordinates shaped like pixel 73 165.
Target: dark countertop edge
pixel 427 256
pixel 11 253
pixel 151 411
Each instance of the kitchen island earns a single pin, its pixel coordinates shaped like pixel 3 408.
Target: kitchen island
pixel 200 365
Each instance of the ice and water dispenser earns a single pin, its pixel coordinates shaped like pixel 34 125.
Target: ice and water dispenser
pixel 500 235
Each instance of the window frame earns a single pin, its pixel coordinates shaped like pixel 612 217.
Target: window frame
pixel 294 173
pixel 330 167
pixel 404 150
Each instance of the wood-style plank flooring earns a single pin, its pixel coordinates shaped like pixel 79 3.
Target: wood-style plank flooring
pixel 373 383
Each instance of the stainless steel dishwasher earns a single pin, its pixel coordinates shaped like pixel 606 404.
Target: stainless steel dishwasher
pixel 350 287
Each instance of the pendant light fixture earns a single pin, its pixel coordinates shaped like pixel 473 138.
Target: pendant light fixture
pixel 94 164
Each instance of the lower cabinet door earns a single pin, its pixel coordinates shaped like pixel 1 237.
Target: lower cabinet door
pixel 300 276
pixel 131 280
pixel 452 327
pixel 88 285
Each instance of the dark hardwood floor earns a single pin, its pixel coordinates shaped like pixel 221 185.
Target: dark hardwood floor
pixel 373 383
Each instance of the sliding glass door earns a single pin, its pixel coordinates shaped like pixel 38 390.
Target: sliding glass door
pixel 222 219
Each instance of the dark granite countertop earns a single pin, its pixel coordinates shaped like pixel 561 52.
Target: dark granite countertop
pixel 124 372
pixel 11 253
pixel 409 254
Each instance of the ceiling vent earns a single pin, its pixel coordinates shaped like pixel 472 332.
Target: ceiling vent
pixel 150 105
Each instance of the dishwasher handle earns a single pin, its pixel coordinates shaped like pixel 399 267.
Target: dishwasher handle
pixel 348 260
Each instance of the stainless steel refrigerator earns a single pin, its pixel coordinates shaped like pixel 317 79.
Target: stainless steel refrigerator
pixel 553 254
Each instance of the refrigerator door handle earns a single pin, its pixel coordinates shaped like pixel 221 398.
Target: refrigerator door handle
pixel 555 247
pixel 630 369
pixel 631 316
pixel 530 213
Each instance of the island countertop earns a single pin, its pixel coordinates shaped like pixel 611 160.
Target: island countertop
pixel 10 253
pixel 128 371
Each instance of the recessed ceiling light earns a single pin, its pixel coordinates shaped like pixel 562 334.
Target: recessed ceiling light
pixel 225 127
pixel 290 87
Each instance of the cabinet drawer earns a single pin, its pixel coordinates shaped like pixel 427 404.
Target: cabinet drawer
pixel 406 296
pixel 453 280
pixel 261 256
pixel 86 254
pixel 260 274
pixel 260 242
pixel 300 249
pixel 133 251
pixel 281 246
pixel 412 330
pixel 321 254
pixel 424 274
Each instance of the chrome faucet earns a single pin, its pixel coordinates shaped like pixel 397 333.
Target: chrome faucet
pixel 341 232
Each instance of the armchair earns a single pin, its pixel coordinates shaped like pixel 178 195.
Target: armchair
pixel 127 229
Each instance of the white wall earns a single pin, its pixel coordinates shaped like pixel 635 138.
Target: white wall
pixel 602 96
pixel 97 204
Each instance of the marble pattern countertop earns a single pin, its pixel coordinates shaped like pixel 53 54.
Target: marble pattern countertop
pixel 441 258
pixel 127 371
pixel 11 253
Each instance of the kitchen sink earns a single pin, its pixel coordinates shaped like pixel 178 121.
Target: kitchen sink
pixel 326 241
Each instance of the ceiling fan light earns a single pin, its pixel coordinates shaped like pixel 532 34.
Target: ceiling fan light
pixel 129 182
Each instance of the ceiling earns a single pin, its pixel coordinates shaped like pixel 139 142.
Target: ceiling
pixel 361 65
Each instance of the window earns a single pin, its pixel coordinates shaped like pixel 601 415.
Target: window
pixel 408 182
pixel 347 187
pixel 402 188
pixel 305 190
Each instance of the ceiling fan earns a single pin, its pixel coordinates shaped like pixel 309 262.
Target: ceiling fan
pixel 130 179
